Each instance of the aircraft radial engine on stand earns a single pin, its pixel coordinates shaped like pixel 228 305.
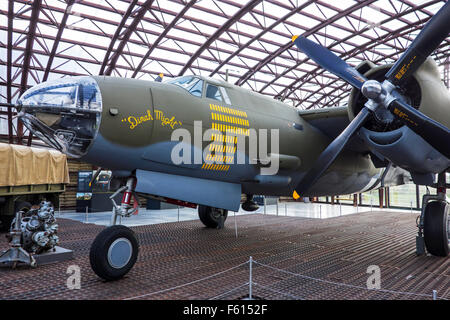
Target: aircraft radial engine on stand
pixel 32 232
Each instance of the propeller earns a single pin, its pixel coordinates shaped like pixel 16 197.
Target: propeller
pixel 382 95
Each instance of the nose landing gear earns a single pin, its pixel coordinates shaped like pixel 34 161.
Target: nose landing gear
pixel 114 251
pixel 434 222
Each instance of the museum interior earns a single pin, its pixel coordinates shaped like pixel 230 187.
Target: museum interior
pixel 93 92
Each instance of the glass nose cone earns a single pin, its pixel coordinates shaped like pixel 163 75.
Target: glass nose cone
pixel 64 113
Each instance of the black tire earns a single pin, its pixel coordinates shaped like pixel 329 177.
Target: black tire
pixel 102 261
pixel 211 216
pixel 22 205
pixel 435 228
pixel 5 222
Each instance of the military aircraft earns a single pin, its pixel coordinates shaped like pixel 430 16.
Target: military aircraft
pixel 396 122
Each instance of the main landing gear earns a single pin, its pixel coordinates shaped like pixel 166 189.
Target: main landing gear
pixel 434 222
pixel 114 251
pixel 212 217
pixel 250 204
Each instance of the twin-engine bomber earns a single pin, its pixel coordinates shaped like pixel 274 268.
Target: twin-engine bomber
pixel 198 141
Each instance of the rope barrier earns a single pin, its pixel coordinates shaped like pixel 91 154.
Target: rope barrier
pixel 342 284
pixel 276 291
pixel 229 291
pixel 189 283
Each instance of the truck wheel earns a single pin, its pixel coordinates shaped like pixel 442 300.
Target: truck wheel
pixel 5 223
pixel 114 252
pixel 211 216
pixel 435 228
pixel 6 220
pixel 21 206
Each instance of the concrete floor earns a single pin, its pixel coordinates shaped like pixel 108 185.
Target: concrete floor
pixel 291 209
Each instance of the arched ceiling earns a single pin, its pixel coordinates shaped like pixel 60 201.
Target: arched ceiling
pixel 247 41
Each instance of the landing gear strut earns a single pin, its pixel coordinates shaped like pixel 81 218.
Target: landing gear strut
pixel 114 251
pixel 250 204
pixel 434 222
pixel 212 217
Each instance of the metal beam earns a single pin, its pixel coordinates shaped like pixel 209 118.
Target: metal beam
pixel 29 46
pixel 36 6
pixel 285 47
pixel 245 9
pixel 9 68
pixel 259 35
pixel 162 35
pixel 126 35
pixel 318 70
pixel 117 34
pixel 61 27
pixel 366 46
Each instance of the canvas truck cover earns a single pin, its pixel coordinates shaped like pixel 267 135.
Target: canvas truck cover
pixel 22 165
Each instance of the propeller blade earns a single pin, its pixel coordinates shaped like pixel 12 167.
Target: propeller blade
pixel 436 134
pixel 434 32
pixel 332 151
pixel 329 61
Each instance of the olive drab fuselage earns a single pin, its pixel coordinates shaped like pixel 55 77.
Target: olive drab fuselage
pixel 139 117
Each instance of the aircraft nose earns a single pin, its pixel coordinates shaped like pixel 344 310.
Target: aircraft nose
pixel 64 113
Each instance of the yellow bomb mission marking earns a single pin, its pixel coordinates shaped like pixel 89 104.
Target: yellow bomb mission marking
pixel 134 121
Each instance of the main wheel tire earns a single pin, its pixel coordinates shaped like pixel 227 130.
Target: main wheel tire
pixel 435 228
pixel 114 252
pixel 211 216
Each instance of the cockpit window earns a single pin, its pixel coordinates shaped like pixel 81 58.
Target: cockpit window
pixel 197 89
pixel 192 84
pixel 225 95
pixel 213 92
pixel 66 94
pixel 64 113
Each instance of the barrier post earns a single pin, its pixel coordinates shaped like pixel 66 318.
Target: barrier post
pixel 250 280
pixel 235 224
pixel 264 205
pixel 434 295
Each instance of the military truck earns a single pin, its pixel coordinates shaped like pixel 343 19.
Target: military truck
pixel 28 176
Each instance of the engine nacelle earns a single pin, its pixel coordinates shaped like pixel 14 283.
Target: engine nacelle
pixel 424 90
pixel 396 142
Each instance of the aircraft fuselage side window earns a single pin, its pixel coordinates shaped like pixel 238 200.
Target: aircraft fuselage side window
pixel 213 92
pixel 192 84
pixel 225 95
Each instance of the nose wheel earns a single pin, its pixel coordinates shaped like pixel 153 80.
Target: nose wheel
pixel 114 252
